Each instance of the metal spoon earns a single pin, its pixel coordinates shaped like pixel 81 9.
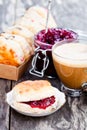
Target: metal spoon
pixel 48 12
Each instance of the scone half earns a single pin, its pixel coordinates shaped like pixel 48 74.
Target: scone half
pixel 37 97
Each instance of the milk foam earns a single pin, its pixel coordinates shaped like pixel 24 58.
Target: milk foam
pixel 71 54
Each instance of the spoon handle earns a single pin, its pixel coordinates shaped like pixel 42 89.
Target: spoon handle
pixel 48 12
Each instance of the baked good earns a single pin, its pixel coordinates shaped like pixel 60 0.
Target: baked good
pixel 37 96
pixel 42 12
pixel 17 43
pixel 34 19
pixel 23 32
pixel 32 26
pixel 34 16
pixel 27 49
pixel 10 52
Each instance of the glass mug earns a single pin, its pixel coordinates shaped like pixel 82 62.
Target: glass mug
pixel 70 61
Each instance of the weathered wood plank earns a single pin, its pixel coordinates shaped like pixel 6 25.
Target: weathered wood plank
pixel 4 108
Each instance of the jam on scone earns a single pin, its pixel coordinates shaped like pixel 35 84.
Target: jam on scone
pixel 42 104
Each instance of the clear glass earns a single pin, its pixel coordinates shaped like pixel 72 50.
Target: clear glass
pixel 72 66
pixel 42 63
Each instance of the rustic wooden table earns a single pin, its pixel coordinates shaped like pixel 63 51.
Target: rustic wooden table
pixel 73 115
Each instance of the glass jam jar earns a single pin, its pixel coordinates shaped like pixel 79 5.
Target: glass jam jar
pixel 42 63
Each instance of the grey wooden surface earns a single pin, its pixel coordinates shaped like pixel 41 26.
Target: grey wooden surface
pixel 73 115
pixel 5 86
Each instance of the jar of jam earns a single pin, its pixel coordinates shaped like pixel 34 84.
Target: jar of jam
pixel 42 63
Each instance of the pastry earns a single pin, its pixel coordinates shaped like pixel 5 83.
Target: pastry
pixel 42 12
pixel 17 43
pixel 24 32
pixel 27 49
pixel 34 16
pixel 37 96
pixel 10 52
pixel 32 26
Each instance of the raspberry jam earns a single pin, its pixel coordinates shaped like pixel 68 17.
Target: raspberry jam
pixel 54 35
pixel 42 104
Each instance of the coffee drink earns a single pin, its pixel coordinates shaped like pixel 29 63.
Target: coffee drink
pixel 70 61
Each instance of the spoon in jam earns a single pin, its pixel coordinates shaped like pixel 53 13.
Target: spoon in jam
pixel 48 13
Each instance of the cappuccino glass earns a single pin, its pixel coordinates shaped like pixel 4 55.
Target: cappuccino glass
pixel 70 62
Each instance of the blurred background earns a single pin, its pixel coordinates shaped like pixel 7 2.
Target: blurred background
pixel 67 13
